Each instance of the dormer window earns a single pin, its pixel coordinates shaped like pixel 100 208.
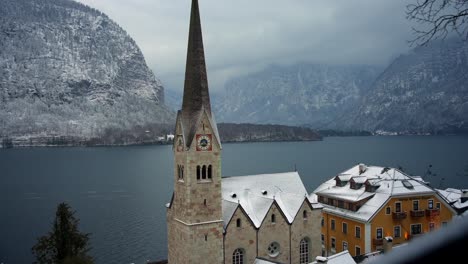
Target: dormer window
pixel 342 180
pixel 357 182
pixel 355 186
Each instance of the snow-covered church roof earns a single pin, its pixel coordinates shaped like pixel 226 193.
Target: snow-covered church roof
pixel 256 194
pixel 384 182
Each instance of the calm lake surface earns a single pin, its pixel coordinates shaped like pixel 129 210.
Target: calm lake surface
pixel 119 193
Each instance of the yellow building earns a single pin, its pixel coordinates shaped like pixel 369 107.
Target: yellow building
pixel 367 203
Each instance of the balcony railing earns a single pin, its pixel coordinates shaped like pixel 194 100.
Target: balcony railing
pixel 419 213
pixel 377 241
pixel 399 215
pixel 432 212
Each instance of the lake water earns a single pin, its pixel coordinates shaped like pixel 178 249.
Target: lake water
pixel 119 193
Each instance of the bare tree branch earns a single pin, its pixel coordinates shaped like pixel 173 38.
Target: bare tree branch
pixel 438 18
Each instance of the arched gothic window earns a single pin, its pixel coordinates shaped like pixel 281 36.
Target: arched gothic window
pixel 204 172
pixel 210 171
pixel 198 172
pixel 180 171
pixel 238 256
pixel 304 251
pixel 304 214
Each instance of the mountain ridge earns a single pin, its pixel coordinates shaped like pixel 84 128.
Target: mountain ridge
pixel 68 70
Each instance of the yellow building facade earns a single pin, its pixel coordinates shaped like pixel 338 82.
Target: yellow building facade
pixel 365 204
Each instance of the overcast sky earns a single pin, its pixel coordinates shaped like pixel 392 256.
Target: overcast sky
pixel 243 36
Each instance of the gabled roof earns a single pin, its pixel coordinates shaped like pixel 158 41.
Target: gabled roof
pixel 257 193
pixel 189 126
pixel 392 183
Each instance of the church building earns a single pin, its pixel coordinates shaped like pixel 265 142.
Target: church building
pixel 266 218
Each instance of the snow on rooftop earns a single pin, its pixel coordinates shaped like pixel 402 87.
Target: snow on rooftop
pixel 256 194
pixel 339 258
pixel 228 210
pixel 263 261
pixel 359 179
pixel 454 197
pixel 391 182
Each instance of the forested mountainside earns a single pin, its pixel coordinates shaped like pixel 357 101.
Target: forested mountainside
pixel 424 91
pixel 312 94
pixel 230 132
pixel 67 70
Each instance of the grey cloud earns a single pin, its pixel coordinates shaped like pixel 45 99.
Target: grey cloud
pixel 242 36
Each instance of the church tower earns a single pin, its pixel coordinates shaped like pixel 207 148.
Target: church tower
pixel 194 215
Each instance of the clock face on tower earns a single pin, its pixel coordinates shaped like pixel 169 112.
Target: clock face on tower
pixel 203 142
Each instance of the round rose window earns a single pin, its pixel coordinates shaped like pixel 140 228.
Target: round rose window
pixel 273 249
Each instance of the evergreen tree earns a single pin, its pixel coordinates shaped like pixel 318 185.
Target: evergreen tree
pixel 64 244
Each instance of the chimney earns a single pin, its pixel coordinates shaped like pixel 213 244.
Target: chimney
pixel 321 259
pixel 387 244
pixel 464 196
pixel 362 168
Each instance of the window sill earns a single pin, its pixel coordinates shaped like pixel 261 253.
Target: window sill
pixel 204 181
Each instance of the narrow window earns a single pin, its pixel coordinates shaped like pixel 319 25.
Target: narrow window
pixel 358 251
pixel 304 251
pixel 304 214
pixel 397 231
pixel 379 233
pixel 430 204
pixel 398 207
pixel 345 228
pixel 204 202
pixel 345 245
pixel 416 229
pixel 273 218
pixel 210 171
pixel 358 232
pixel 323 239
pixel 204 172
pixel 206 237
pixel 238 256
pixel 438 206
pixel 333 224
pixel 415 205
pixel 238 222
pixel 387 210
pixel 333 244
pixel 322 222
pixel 198 172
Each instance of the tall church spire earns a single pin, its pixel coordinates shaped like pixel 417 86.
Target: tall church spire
pixel 196 93
pixel 196 99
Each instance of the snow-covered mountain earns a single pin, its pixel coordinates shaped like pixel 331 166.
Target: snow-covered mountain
pixel 311 94
pixel 67 69
pixel 425 91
